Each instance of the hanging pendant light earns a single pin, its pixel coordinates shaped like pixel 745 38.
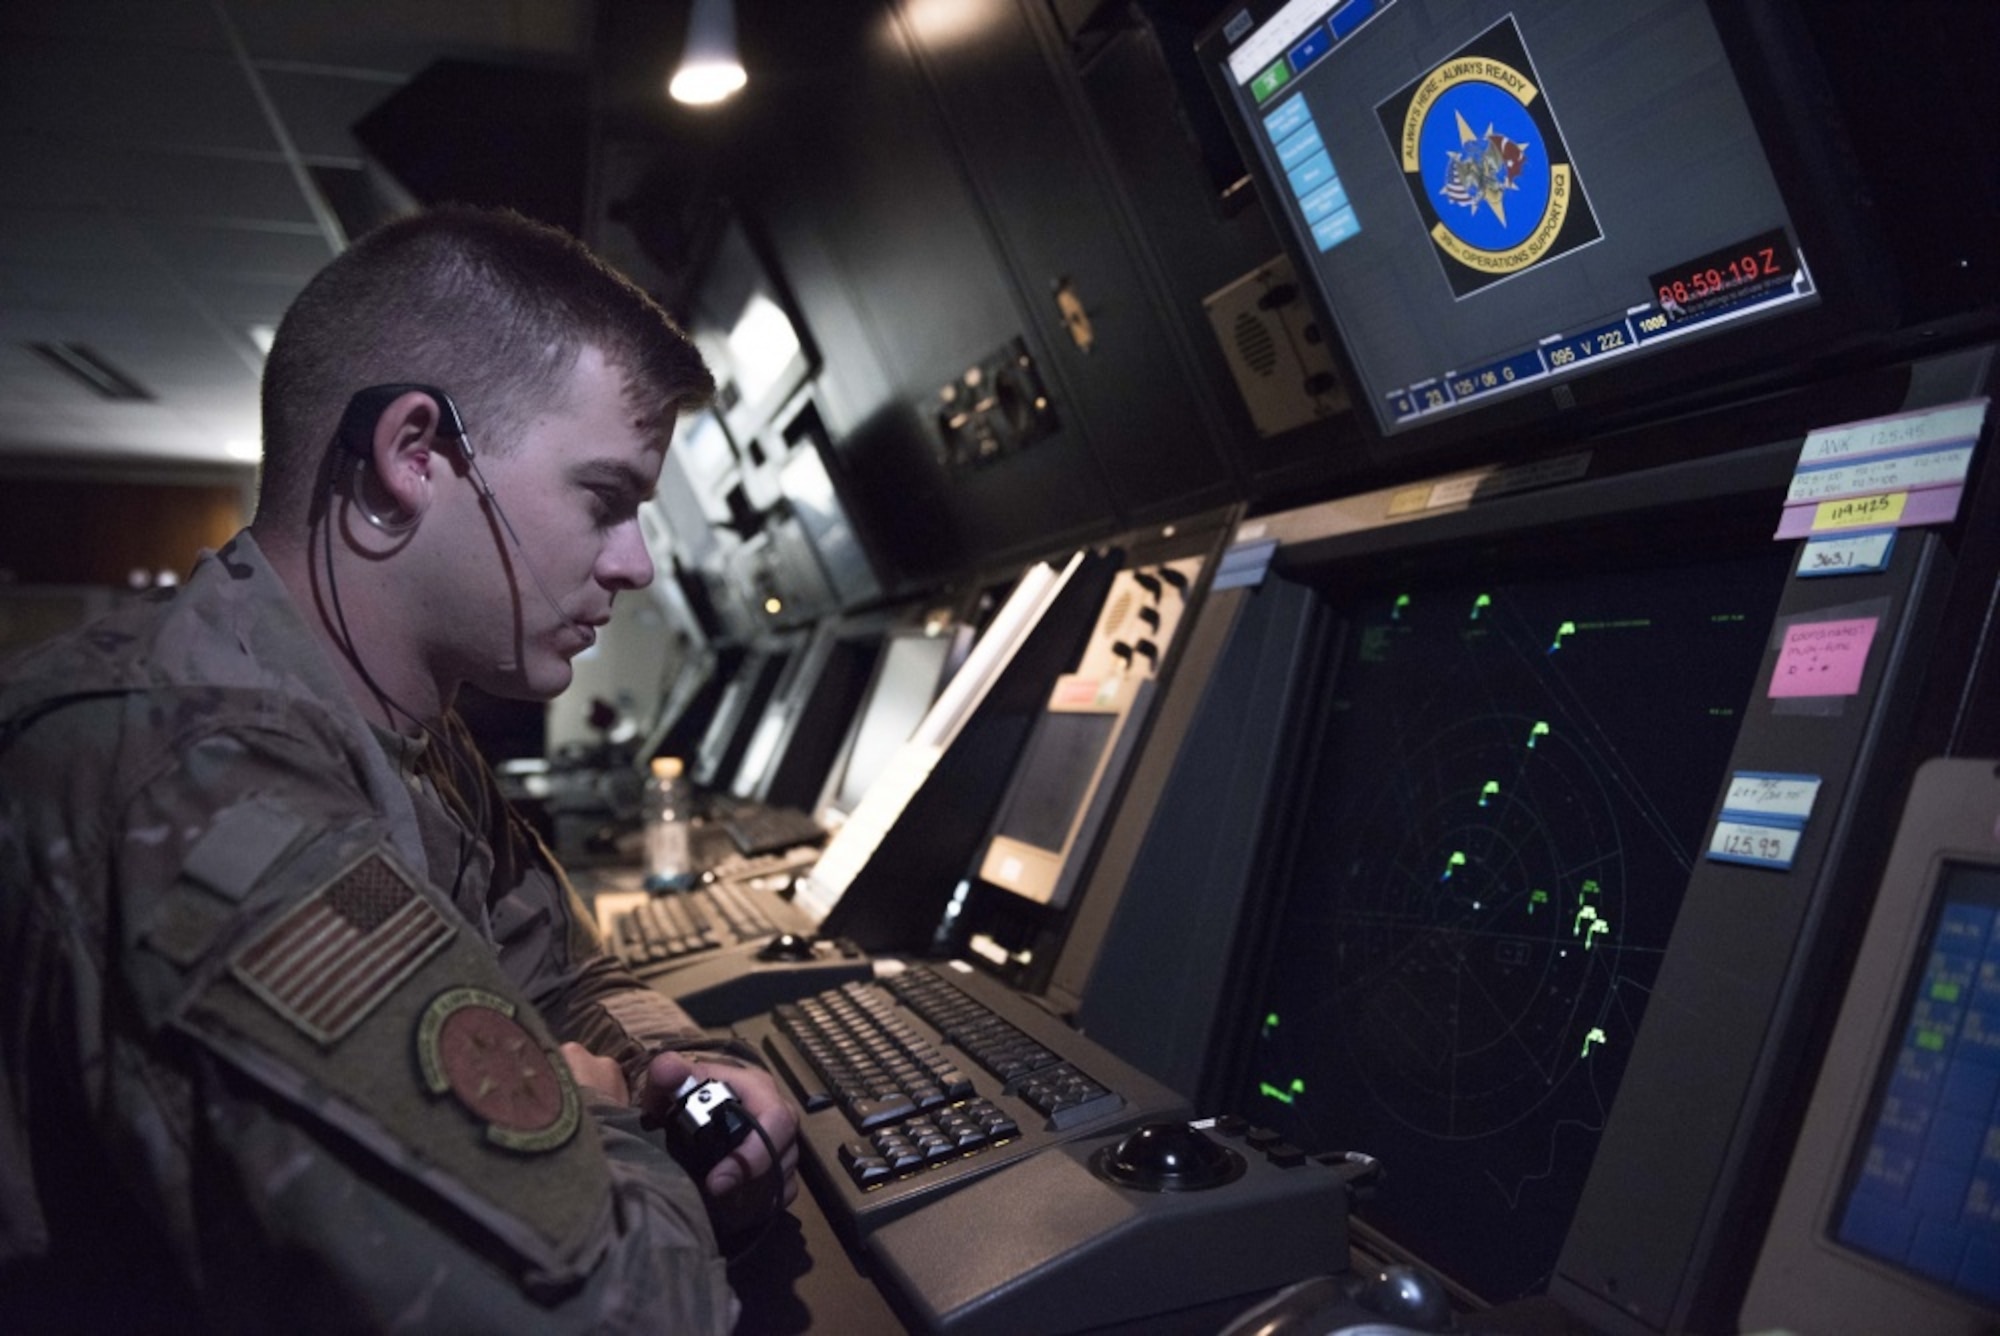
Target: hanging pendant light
pixel 710 69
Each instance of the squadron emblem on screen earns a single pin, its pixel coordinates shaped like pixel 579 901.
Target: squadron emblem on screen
pixel 1482 170
pixel 1486 163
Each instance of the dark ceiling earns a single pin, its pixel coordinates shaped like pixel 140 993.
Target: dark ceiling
pixel 176 169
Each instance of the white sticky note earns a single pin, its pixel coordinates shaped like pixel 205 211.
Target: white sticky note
pixel 1851 554
pixel 1754 843
pixel 1774 797
pixel 1937 466
pixel 1904 431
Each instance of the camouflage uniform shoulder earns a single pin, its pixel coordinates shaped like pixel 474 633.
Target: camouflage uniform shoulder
pixel 196 813
pixel 97 660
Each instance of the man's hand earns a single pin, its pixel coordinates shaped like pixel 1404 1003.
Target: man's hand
pixel 741 1189
pixel 600 1076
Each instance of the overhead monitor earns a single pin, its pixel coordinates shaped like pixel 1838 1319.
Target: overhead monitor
pixel 1506 791
pixel 748 329
pixel 815 500
pixel 1515 211
pixel 702 453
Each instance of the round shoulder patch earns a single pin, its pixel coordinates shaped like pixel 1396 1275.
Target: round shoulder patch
pixel 470 1045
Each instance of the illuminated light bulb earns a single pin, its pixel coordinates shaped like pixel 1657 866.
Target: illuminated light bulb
pixel 710 69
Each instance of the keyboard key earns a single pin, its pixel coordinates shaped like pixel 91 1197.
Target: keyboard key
pixel 863 1165
pixel 866 1112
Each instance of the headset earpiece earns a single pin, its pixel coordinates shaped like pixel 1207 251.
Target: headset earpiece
pixel 364 410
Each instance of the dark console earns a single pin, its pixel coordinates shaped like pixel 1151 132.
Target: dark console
pixel 1164 1220
pixel 1003 1173
pixel 1391 1301
pixel 914 1084
pixel 750 978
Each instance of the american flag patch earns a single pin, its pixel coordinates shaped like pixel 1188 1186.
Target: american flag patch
pixel 331 960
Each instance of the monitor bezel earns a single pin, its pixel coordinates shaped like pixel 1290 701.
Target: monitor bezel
pixel 829 810
pixel 1024 867
pixel 1347 550
pixel 1794 113
pixel 1805 1275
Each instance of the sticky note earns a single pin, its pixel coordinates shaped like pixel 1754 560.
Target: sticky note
pixel 1904 431
pixel 1905 470
pixel 1755 844
pixel 1852 554
pixel 1823 658
pixel 1937 467
pixel 1410 500
pixel 1076 691
pixel 1932 505
pixel 1860 512
pixel 1778 799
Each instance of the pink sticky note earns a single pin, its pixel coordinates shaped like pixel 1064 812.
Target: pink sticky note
pixel 1823 658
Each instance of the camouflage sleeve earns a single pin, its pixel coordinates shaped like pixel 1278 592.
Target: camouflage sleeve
pixel 551 945
pixel 312 1083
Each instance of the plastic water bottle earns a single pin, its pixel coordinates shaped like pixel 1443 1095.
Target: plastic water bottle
pixel 668 858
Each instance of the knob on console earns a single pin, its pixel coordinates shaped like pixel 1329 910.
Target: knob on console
pixel 1167 1157
pixel 787 946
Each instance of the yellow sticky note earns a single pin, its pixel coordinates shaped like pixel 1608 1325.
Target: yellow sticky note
pixel 1858 512
pixel 1410 499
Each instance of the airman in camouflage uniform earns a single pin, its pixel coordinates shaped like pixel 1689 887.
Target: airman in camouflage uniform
pixel 301 1029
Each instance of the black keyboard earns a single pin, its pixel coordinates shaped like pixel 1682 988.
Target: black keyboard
pixel 763 830
pixel 678 924
pixel 914 1084
pixel 765 871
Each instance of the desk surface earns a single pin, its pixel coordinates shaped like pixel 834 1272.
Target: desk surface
pixel 800 1277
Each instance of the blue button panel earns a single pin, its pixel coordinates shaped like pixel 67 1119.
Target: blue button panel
pixel 1302 156
pixel 1927 1194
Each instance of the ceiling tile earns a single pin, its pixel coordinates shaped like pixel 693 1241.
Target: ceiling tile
pixel 180 24
pixel 60 236
pixel 195 250
pixel 36 290
pixel 43 171
pixel 330 32
pixel 202 187
pixel 319 109
pixel 139 95
pixel 148 209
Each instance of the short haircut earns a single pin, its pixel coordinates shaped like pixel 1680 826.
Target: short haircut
pixel 487 305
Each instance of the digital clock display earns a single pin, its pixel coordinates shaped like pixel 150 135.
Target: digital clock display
pixel 1732 276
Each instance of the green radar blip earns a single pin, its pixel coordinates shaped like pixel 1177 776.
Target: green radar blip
pixel 1283 1094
